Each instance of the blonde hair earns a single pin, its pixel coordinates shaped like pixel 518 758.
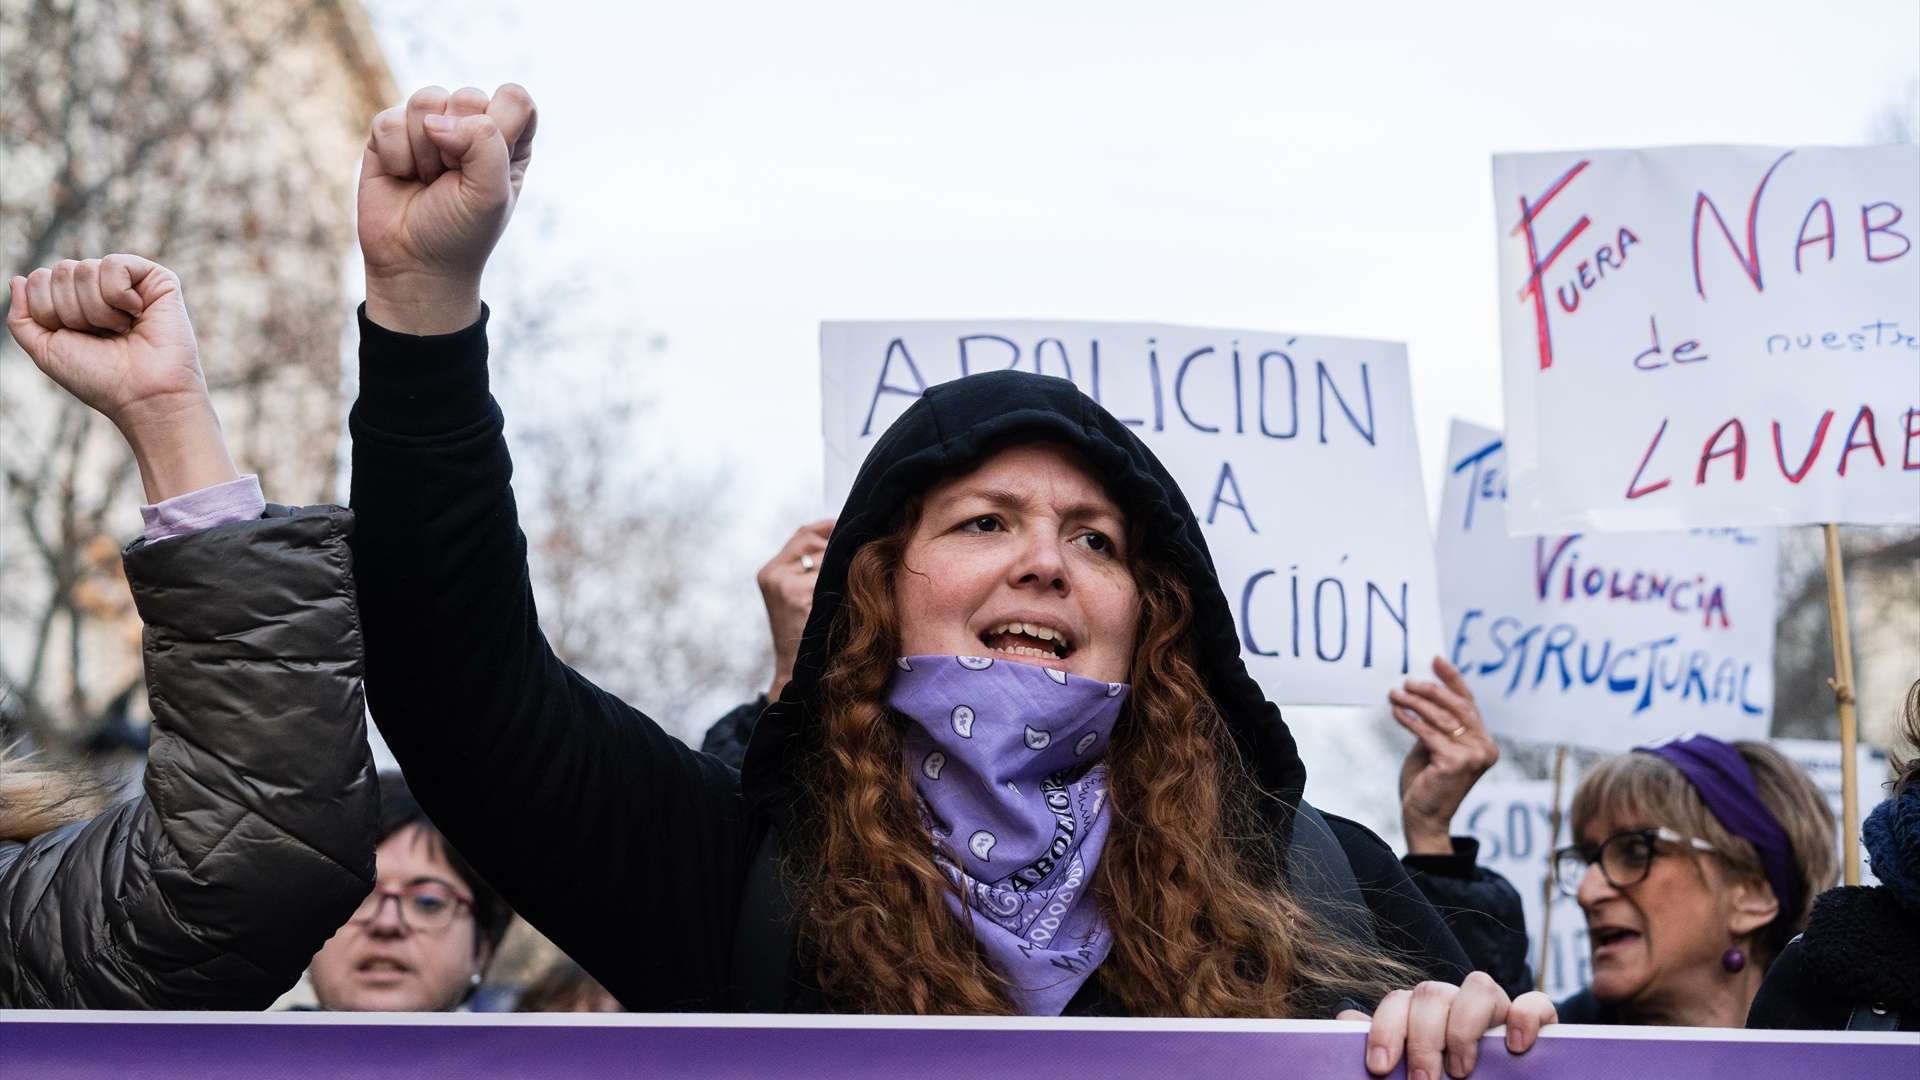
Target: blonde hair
pixel 1641 788
pixel 38 795
pixel 1906 769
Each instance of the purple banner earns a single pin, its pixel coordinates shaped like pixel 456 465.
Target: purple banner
pixel 294 1046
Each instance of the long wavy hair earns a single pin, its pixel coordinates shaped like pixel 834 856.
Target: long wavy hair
pixel 1202 920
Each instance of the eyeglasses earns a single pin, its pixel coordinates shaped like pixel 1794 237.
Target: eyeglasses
pixel 1625 858
pixel 427 906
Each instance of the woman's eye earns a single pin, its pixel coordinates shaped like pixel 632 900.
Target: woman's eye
pixel 984 523
pixel 1095 542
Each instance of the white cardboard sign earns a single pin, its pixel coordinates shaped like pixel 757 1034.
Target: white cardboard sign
pixel 1609 641
pixel 1710 336
pixel 1514 823
pixel 1297 453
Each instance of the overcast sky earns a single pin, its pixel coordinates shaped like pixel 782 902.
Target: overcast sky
pixel 732 175
pixel 735 174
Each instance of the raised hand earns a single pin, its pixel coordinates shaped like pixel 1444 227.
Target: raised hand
pixel 114 333
pixel 1452 752
pixel 438 183
pixel 786 586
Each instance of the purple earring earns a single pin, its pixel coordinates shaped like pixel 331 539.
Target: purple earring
pixel 1733 960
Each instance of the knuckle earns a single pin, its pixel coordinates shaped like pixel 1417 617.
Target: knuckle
pixel 470 95
pixel 1434 991
pixel 514 94
pixel 389 123
pixel 428 97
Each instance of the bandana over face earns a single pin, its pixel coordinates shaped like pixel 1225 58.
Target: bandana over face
pixel 1007 758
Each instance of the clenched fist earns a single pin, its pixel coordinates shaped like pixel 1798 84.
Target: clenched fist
pixel 438 183
pixel 114 333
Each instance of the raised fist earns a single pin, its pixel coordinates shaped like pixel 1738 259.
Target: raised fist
pixel 113 332
pixel 438 183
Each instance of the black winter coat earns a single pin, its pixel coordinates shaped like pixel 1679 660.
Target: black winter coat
pixel 1857 963
pixel 632 852
pixel 1481 907
pixel 254 841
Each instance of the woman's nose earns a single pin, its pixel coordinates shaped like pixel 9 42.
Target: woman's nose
pixel 386 917
pixel 1594 887
pixel 1039 563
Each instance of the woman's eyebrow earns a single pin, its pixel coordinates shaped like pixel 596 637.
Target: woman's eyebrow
pixel 428 879
pixel 1003 499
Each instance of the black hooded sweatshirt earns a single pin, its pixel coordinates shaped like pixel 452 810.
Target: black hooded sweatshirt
pixel 633 853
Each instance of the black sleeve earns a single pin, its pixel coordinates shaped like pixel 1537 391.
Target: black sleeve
pixel 727 738
pixel 1481 907
pixel 1788 999
pixel 1404 921
pixel 611 836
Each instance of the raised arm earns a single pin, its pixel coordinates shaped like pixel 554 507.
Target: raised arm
pixel 617 841
pixel 254 839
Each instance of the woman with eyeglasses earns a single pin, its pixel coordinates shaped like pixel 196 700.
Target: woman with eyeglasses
pixel 1695 863
pixel 422 939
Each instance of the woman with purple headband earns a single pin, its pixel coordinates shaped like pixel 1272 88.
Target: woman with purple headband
pixel 1696 862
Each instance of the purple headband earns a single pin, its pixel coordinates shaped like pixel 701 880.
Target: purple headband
pixel 1725 783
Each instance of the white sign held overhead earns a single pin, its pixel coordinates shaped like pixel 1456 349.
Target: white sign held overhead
pixel 1710 336
pixel 1297 453
pixel 1608 641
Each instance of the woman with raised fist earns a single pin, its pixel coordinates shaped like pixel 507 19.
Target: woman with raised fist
pixel 254 838
pixel 1019 767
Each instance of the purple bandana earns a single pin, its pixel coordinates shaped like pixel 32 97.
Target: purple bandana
pixel 1725 783
pixel 1007 760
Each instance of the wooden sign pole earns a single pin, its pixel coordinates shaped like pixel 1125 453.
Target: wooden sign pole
pixel 1552 887
pixel 1842 683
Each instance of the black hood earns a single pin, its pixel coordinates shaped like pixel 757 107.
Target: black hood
pixel 947 432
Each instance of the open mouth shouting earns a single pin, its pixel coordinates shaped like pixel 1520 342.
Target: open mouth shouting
pixel 1608 939
pixel 1028 641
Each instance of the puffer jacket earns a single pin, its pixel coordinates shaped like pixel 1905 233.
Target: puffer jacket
pixel 254 840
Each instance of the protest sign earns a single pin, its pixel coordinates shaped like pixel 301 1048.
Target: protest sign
pixel 1602 640
pixel 1710 336
pixel 478 1046
pixel 1513 821
pixel 1821 759
pixel 1297 453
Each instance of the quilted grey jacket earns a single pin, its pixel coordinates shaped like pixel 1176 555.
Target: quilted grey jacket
pixel 254 841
